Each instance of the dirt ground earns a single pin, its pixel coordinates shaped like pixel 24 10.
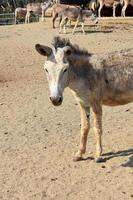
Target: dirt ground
pixel 38 140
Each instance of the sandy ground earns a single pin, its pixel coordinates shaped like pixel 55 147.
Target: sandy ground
pixel 38 140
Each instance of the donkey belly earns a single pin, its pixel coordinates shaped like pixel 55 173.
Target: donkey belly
pixel 119 91
pixel 118 100
pixel 118 79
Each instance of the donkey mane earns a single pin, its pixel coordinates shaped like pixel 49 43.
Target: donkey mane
pixel 62 42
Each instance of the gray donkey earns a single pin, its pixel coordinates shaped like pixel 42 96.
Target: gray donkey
pixel 94 80
pixel 78 15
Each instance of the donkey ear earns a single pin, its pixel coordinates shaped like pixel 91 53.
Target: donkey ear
pixel 43 50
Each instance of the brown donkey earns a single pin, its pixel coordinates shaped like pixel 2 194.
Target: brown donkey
pixel 37 9
pixel 57 9
pixel 94 80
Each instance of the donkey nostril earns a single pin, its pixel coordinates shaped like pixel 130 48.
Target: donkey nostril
pixel 56 101
pixel 50 98
pixel 60 99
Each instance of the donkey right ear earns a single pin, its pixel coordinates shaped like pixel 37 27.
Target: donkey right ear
pixel 43 50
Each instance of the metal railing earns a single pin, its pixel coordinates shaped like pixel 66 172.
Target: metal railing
pixel 9 19
pixel 6 18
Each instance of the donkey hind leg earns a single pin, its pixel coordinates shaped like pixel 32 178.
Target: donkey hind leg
pixel 82 25
pixel 27 17
pixel 97 111
pixel 64 25
pixel 85 126
pixel 76 24
pixel 54 18
pixel 60 20
pixel 114 8
pixel 100 8
pixel 123 11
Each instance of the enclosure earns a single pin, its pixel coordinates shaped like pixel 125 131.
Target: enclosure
pixel 37 140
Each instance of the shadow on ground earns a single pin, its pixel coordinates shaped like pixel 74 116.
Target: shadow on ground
pixel 88 31
pixel 124 153
pixel 110 155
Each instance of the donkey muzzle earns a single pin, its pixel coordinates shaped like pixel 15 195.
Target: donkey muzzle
pixel 56 100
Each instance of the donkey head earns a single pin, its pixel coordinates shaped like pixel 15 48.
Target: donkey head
pixel 57 70
pixel 92 14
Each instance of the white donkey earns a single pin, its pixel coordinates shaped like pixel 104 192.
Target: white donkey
pixel 94 80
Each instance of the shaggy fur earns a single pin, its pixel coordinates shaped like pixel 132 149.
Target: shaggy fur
pixel 62 42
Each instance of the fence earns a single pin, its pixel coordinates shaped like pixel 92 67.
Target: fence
pixel 9 19
pixel 6 18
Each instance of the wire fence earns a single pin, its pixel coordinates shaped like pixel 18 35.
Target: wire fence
pixel 9 19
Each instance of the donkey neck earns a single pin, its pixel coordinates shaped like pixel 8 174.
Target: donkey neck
pixel 82 73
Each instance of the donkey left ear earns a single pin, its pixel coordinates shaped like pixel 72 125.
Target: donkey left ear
pixel 43 50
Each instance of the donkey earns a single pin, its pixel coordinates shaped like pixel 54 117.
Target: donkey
pixel 20 13
pixel 126 4
pixel 108 3
pixel 58 9
pixel 93 79
pixel 76 14
pixel 37 9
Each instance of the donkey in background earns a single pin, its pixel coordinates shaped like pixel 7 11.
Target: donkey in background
pixel 37 9
pixel 57 9
pixel 20 13
pixel 76 14
pixel 93 79
pixel 126 4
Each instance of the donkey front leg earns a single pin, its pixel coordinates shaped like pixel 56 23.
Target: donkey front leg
pixel 97 111
pixel 85 126
pixel 76 24
pixel 27 17
pixel 62 25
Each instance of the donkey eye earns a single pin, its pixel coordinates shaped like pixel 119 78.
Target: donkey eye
pixel 65 70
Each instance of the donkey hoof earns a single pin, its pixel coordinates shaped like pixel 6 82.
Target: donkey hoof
pixel 77 158
pixel 99 159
